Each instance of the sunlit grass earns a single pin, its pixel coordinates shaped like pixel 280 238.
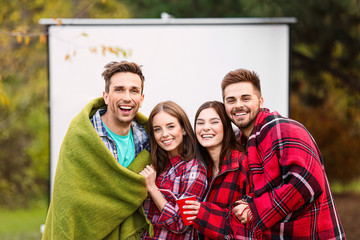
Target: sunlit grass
pixel 353 187
pixel 23 224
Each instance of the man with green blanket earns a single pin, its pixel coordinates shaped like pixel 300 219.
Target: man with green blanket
pixel 98 193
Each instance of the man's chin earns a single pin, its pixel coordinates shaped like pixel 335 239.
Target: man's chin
pixel 126 119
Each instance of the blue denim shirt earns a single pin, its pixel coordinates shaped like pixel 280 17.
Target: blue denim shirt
pixel 141 138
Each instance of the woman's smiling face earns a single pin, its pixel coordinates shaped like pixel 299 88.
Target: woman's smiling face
pixel 168 133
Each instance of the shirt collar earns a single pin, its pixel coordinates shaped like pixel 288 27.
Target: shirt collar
pixel 100 128
pixel 175 160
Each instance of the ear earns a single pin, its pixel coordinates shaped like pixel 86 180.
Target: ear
pixel 106 97
pixel 142 99
pixel 261 102
pixel 184 133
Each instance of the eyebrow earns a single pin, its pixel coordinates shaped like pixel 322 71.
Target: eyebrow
pixel 154 126
pixel 214 118
pixel 131 87
pixel 244 95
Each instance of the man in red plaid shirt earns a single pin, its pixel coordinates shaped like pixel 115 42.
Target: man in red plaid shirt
pixel 290 196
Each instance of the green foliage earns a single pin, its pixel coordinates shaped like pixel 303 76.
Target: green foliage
pixel 24 119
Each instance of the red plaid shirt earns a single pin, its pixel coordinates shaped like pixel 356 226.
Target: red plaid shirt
pixel 215 219
pixel 292 197
pixel 184 179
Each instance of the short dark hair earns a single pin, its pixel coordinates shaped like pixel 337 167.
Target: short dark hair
pixel 123 66
pixel 229 142
pixel 240 75
pixel 159 156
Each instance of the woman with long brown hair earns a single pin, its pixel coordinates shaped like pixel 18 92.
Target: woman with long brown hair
pixel 175 172
pixel 227 176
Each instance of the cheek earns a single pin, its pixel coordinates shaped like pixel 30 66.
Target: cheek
pixel 228 109
pixel 157 137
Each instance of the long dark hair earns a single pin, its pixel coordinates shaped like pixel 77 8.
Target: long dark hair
pixel 229 142
pixel 159 156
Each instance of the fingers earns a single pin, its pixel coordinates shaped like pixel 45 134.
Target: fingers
pixel 195 212
pixel 242 212
pixel 191 218
pixel 148 170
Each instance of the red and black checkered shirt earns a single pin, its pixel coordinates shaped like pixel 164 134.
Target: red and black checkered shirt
pixel 292 197
pixel 215 219
pixel 184 179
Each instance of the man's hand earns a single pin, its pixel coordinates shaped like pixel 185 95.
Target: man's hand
pixel 242 212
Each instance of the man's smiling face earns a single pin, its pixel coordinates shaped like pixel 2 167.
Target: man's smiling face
pixel 124 97
pixel 242 104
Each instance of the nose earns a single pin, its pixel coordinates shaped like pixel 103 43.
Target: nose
pixel 126 96
pixel 165 133
pixel 206 126
pixel 239 103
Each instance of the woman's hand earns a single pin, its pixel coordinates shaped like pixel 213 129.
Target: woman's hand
pixel 193 207
pixel 242 212
pixel 150 176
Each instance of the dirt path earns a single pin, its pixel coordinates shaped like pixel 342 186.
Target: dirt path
pixel 348 206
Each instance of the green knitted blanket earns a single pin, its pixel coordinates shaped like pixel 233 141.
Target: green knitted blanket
pixel 94 197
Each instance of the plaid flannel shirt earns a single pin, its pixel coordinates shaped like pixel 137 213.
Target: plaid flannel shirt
pixel 292 197
pixel 141 138
pixel 215 219
pixel 184 179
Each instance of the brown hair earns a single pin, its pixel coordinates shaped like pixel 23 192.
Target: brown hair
pixel 159 156
pixel 229 142
pixel 240 75
pixel 123 66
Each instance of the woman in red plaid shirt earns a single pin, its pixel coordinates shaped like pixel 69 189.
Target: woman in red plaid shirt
pixel 174 168
pixel 227 174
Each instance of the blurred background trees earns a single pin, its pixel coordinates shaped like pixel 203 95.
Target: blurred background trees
pixel 324 81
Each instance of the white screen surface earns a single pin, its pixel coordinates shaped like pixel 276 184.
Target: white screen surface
pixel 184 63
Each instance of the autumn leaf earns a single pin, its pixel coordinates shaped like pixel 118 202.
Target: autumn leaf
pixel 93 49
pixel 19 38
pixel 27 40
pixel 42 38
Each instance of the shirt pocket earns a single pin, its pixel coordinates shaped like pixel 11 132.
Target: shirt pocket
pixel 176 186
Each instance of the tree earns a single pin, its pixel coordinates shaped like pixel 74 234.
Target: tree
pixel 24 118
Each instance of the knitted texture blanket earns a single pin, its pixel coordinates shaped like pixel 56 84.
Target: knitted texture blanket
pixel 94 197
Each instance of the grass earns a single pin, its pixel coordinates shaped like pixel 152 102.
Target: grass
pixel 353 187
pixel 23 224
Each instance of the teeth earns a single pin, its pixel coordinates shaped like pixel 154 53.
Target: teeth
pixel 167 141
pixel 126 107
pixel 207 136
pixel 239 114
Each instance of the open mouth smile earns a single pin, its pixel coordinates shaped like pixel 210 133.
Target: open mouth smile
pixel 167 142
pixel 239 114
pixel 126 109
pixel 207 136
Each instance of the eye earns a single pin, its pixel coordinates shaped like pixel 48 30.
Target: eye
pixel 199 123
pixel 135 91
pixel 157 129
pixel 171 126
pixel 215 122
pixel 230 100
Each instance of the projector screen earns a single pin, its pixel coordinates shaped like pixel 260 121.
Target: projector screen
pixel 183 60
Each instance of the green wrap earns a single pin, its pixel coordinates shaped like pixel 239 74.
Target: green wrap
pixel 94 197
